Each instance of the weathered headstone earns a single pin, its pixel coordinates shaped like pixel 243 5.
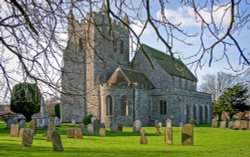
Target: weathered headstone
pixel 56 141
pixel 187 134
pixel 14 130
pixel 224 116
pixel 21 132
pixel 119 127
pixel 158 129
pixel 27 138
pixel 214 123
pixel 102 132
pixel 113 127
pixel 243 124
pixel 169 123
pixel 168 135
pixel 230 124
pixel 22 123
pixel 248 125
pixel 82 127
pixel 70 132
pixel 51 128
pixel 73 121
pixel 90 129
pixel 137 126
pixel 223 124
pixel 96 124
pixel 78 133
pixel 143 138
pixel 236 125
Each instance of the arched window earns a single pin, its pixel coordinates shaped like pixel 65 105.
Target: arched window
pixel 163 107
pixel 188 113
pixel 206 113
pixel 194 111
pixel 124 106
pixel 201 114
pixel 109 106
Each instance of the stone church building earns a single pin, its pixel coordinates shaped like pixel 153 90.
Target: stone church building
pixel 99 79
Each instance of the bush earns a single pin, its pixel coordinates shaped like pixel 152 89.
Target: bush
pixel 87 119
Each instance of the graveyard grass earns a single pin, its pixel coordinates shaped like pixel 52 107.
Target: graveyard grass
pixel 208 142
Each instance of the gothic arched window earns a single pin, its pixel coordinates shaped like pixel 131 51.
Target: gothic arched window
pixel 124 106
pixel 109 106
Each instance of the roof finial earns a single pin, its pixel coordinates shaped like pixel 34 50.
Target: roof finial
pixel 71 15
pixel 103 8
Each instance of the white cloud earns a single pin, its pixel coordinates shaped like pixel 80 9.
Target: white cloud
pixel 187 18
pixel 137 26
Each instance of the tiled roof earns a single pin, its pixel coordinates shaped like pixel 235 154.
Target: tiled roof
pixel 172 66
pixel 127 76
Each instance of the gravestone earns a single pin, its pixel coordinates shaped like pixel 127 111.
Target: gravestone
pixel 14 130
pixel 21 132
pixel 193 122
pixel 51 128
pixel 223 124
pixel 9 123
pixel 119 127
pixel 78 133
pixel 27 138
pixel 113 127
pixel 143 138
pixel 187 134
pixel 90 129
pixel 237 125
pixel 73 122
pixel 96 124
pixel 168 135
pixel 230 124
pixel 102 132
pixel 71 133
pixel 22 123
pixel 214 123
pixel 158 129
pixel 57 121
pixel 248 125
pixel 243 124
pixel 137 126
pixel 56 141
pixel 169 123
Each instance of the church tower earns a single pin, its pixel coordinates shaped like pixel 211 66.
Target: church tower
pixel 96 47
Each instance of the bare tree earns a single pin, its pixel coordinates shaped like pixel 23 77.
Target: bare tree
pixel 216 84
pixel 34 33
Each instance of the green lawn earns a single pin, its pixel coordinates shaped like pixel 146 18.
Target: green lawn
pixel 208 142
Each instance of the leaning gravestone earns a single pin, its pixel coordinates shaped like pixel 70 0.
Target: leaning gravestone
pixel 56 141
pixel 90 129
pixel 113 127
pixel 143 139
pixel 14 130
pixel 137 126
pixel 168 136
pixel 22 123
pixel 223 124
pixel 102 132
pixel 70 132
pixel 237 125
pixel 78 133
pixel 187 134
pixel 27 137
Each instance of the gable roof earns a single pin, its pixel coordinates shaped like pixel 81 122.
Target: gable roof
pixel 127 76
pixel 172 66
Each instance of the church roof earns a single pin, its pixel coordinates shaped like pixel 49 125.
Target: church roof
pixel 172 66
pixel 128 76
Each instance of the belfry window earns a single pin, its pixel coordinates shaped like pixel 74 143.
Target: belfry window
pixel 109 106
pixel 163 107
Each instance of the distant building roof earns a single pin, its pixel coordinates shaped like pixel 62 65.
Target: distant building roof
pixel 127 76
pixel 171 65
